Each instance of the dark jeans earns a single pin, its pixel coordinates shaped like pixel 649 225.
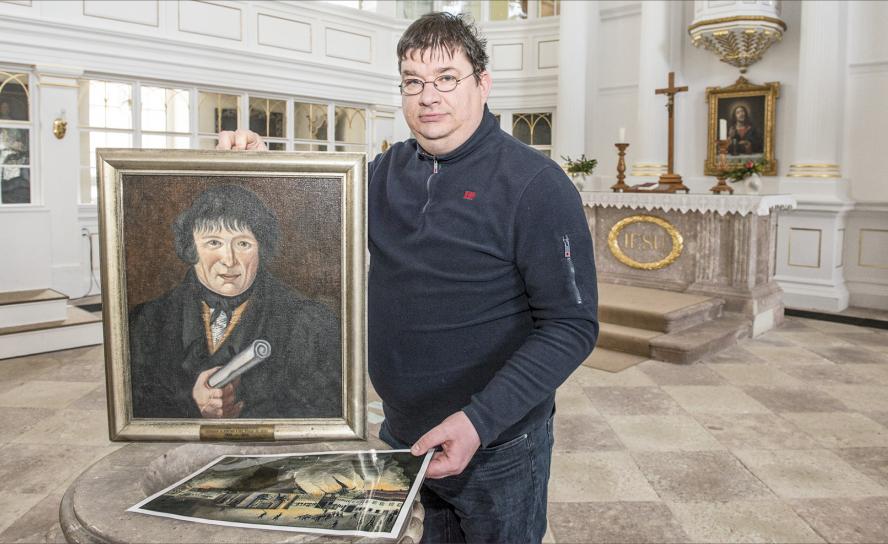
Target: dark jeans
pixel 499 497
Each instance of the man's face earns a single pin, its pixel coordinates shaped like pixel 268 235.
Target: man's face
pixel 227 260
pixel 441 122
pixel 741 114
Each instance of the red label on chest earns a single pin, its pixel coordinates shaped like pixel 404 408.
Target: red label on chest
pixel 469 195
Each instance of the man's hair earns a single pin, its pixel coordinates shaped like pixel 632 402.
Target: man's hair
pixel 231 207
pixel 445 32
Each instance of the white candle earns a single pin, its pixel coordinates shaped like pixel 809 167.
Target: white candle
pixel 722 129
pixel 622 138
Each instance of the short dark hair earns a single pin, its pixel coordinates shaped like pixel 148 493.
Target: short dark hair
pixel 231 207
pixel 445 32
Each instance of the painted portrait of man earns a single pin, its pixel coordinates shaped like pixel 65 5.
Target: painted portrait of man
pixel 228 299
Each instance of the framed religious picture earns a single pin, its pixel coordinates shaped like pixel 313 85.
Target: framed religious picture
pixel 748 112
pixel 233 294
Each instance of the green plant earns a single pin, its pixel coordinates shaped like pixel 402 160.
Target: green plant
pixel 744 170
pixel 581 166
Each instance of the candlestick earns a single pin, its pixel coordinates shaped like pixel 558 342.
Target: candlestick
pixel 722 129
pixel 621 185
pixel 622 137
pixel 722 166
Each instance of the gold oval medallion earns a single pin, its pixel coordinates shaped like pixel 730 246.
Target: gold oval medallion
pixel 644 242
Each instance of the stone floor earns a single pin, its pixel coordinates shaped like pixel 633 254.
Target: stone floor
pixel 780 439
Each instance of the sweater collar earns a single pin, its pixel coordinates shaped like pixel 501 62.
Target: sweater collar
pixel 487 126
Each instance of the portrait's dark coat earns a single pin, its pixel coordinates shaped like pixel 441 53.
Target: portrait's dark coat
pixel 302 378
pixel 753 136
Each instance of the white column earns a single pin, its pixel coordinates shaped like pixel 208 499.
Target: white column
pixel 821 91
pixel 649 146
pixel 574 40
pixel 59 174
pixel 811 239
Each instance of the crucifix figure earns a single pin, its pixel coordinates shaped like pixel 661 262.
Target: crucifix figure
pixel 670 182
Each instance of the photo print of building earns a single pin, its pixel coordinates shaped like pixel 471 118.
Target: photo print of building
pixel 351 493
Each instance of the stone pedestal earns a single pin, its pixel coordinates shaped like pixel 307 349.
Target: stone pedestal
pixel 93 509
pixel 728 247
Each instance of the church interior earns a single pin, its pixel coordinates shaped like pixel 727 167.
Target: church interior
pixel 727 154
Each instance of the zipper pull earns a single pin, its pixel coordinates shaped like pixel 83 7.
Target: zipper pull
pixel 435 166
pixel 566 241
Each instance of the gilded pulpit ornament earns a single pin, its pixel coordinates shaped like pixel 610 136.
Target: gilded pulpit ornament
pixel 646 237
pixel 738 36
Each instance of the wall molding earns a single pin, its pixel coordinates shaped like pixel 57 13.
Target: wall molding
pixel 618 12
pixel 868 67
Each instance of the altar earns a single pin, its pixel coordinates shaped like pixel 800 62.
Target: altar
pixel 720 246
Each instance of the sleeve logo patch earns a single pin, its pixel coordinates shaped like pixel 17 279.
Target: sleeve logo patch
pixel 469 195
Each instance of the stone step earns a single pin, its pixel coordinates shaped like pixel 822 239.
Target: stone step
pixel 653 309
pixel 79 328
pixel 31 307
pixel 696 342
pixel 626 339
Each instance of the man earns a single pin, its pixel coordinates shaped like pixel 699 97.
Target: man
pixel 482 292
pixel 228 300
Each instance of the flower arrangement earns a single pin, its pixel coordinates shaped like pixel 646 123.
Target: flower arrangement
pixel 744 170
pixel 579 167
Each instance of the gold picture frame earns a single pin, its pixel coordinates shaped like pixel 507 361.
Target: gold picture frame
pixel 292 272
pixel 749 139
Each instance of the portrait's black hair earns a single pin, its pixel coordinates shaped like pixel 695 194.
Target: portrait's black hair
pixel 231 207
pixel 448 33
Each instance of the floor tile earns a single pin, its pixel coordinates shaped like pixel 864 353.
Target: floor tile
pixel 714 399
pixel 45 394
pixel 595 477
pixel 873 341
pixel 699 476
pixel 786 399
pixel 15 421
pixel 734 355
pixel 97 399
pixel 614 522
pixel 39 525
pixel 75 370
pixel 742 521
pixel 756 431
pixel 628 401
pixel 787 356
pixel 78 427
pixel 841 429
pixel 811 337
pixel 802 474
pixel 863 398
pixel 573 400
pixel 847 355
pixel 745 375
pixel 830 327
pixel 831 374
pixel 863 521
pixel 662 433
pixel 14 505
pixel 872 462
pixel 34 468
pixel 577 432
pixel 672 374
pixel 591 377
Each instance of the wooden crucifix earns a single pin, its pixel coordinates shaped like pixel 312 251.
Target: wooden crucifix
pixel 670 182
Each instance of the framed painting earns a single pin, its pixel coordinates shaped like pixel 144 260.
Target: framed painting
pixel 750 113
pixel 233 294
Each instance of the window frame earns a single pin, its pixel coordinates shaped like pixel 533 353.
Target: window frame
pixel 36 193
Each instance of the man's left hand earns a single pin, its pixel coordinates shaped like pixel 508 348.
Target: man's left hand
pixel 458 440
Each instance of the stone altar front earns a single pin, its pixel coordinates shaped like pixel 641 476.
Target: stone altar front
pixel 721 246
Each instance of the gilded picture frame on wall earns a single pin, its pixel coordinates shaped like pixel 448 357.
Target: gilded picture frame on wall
pixel 233 294
pixel 750 114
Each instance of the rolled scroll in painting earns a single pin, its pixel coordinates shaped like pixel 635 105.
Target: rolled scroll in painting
pixel 258 351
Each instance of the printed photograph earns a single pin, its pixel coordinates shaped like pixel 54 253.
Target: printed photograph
pixel 339 493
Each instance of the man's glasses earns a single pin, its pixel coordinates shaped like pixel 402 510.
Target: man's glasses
pixel 443 83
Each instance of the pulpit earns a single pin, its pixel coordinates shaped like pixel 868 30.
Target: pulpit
pixel 720 246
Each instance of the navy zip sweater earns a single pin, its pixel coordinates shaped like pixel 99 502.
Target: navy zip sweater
pixel 482 289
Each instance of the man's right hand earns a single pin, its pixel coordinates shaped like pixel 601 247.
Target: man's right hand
pixel 216 402
pixel 240 140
